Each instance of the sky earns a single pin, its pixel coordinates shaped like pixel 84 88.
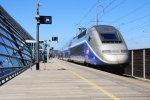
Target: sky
pixel 130 17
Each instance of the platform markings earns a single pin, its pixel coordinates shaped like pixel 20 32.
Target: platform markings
pixel 93 85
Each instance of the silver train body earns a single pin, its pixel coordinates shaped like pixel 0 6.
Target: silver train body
pixel 99 45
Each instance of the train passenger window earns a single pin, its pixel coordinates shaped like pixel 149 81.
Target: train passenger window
pixel 77 50
pixel 110 37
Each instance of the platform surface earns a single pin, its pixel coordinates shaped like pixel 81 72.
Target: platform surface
pixel 60 80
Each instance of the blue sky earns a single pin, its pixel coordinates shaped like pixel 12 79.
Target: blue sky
pixel 131 17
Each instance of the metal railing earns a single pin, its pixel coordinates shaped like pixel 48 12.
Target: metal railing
pixel 139 65
pixel 13 74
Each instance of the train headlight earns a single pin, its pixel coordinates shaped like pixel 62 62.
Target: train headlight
pixel 124 51
pixel 106 51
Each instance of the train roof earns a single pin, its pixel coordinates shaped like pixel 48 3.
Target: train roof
pixel 97 27
pixel 104 28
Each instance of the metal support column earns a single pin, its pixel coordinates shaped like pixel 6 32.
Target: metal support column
pixel 37 37
pixel 144 64
pixel 132 64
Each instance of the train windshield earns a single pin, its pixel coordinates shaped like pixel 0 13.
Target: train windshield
pixel 110 38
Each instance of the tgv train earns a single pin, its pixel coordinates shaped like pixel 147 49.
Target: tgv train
pixel 99 45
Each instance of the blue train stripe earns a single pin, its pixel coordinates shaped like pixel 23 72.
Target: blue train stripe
pixel 92 51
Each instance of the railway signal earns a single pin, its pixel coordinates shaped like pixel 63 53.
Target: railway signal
pixel 40 20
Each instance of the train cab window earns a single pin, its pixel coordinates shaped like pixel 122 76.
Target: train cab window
pixel 110 38
pixel 82 34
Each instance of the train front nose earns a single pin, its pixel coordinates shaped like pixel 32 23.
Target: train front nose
pixel 116 59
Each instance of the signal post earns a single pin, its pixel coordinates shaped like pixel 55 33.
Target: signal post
pixel 40 20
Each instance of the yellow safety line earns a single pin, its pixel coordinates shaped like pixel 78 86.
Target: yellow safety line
pixel 95 86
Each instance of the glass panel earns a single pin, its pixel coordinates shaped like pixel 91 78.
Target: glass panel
pixel 20 63
pixel 15 62
pixel 26 52
pixel 1 40
pixel 2 25
pixel 13 53
pixel 5 61
pixel 3 50
pixel 26 57
pixel 6 34
pixel 25 62
pixel 14 46
pixel 10 51
pixel 18 38
pixel 7 42
pixel 9 31
pixel 1 61
pixel 16 54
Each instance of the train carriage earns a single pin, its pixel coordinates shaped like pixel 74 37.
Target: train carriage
pixel 99 45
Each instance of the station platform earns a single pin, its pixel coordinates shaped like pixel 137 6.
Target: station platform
pixel 61 80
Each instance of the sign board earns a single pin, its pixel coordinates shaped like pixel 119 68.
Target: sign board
pixel 54 38
pixel 45 19
pixel 30 41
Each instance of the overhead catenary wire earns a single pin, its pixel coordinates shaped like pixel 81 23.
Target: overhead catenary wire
pixel 103 8
pixel 140 26
pixel 134 20
pixel 116 6
pixel 138 37
pixel 143 29
pixel 86 15
pixel 132 12
pixel 89 11
pixel 136 26
pixel 93 6
pixel 110 3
